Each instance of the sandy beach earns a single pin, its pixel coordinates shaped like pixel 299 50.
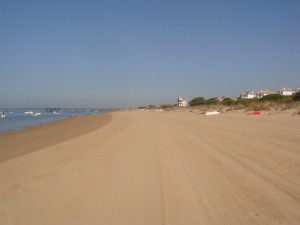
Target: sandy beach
pixel 156 168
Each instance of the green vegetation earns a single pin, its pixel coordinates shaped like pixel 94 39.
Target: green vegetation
pixel 151 106
pixel 246 102
pixel 296 96
pixel 197 101
pixel 272 98
pixel 211 101
pixel 243 101
pixel 265 103
pixel 228 101
pixel 167 106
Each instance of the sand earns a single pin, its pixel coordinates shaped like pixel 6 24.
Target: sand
pixel 16 143
pixel 153 168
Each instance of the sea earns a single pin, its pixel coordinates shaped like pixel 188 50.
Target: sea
pixel 17 119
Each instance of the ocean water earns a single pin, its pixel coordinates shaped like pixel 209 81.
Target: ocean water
pixel 17 119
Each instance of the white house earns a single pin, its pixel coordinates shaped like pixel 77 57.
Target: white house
pixel 182 101
pixel 286 91
pixel 257 94
pixel 260 94
pixel 247 95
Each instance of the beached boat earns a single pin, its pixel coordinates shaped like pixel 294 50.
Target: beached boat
pixel 212 113
pixel 56 112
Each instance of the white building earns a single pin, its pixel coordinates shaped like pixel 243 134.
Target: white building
pixel 182 101
pixel 247 95
pixel 286 91
pixel 252 94
pixel 260 94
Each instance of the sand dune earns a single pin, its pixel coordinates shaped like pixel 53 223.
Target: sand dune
pixel 156 168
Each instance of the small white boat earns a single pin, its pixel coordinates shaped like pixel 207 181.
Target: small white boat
pixel 28 113
pixel 37 114
pixel 2 115
pixel 212 113
pixel 56 112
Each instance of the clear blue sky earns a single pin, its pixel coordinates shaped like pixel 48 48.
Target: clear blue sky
pixel 119 53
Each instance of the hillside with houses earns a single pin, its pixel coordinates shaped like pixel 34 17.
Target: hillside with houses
pixel 285 98
pixel 260 94
pixel 282 94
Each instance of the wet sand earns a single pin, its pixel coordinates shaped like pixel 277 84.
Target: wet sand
pixel 17 143
pixel 153 168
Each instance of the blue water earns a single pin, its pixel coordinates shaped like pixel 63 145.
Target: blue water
pixel 17 119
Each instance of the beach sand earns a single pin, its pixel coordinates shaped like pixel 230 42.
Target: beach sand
pixel 16 143
pixel 127 168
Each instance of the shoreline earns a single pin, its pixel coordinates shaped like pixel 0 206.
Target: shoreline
pixel 45 123
pixel 12 143
pixel 31 126
pixel 17 120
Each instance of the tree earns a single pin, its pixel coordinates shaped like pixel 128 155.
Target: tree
pixel 211 101
pixel 228 101
pixel 151 106
pixel 296 97
pixel 197 101
pixel 272 97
